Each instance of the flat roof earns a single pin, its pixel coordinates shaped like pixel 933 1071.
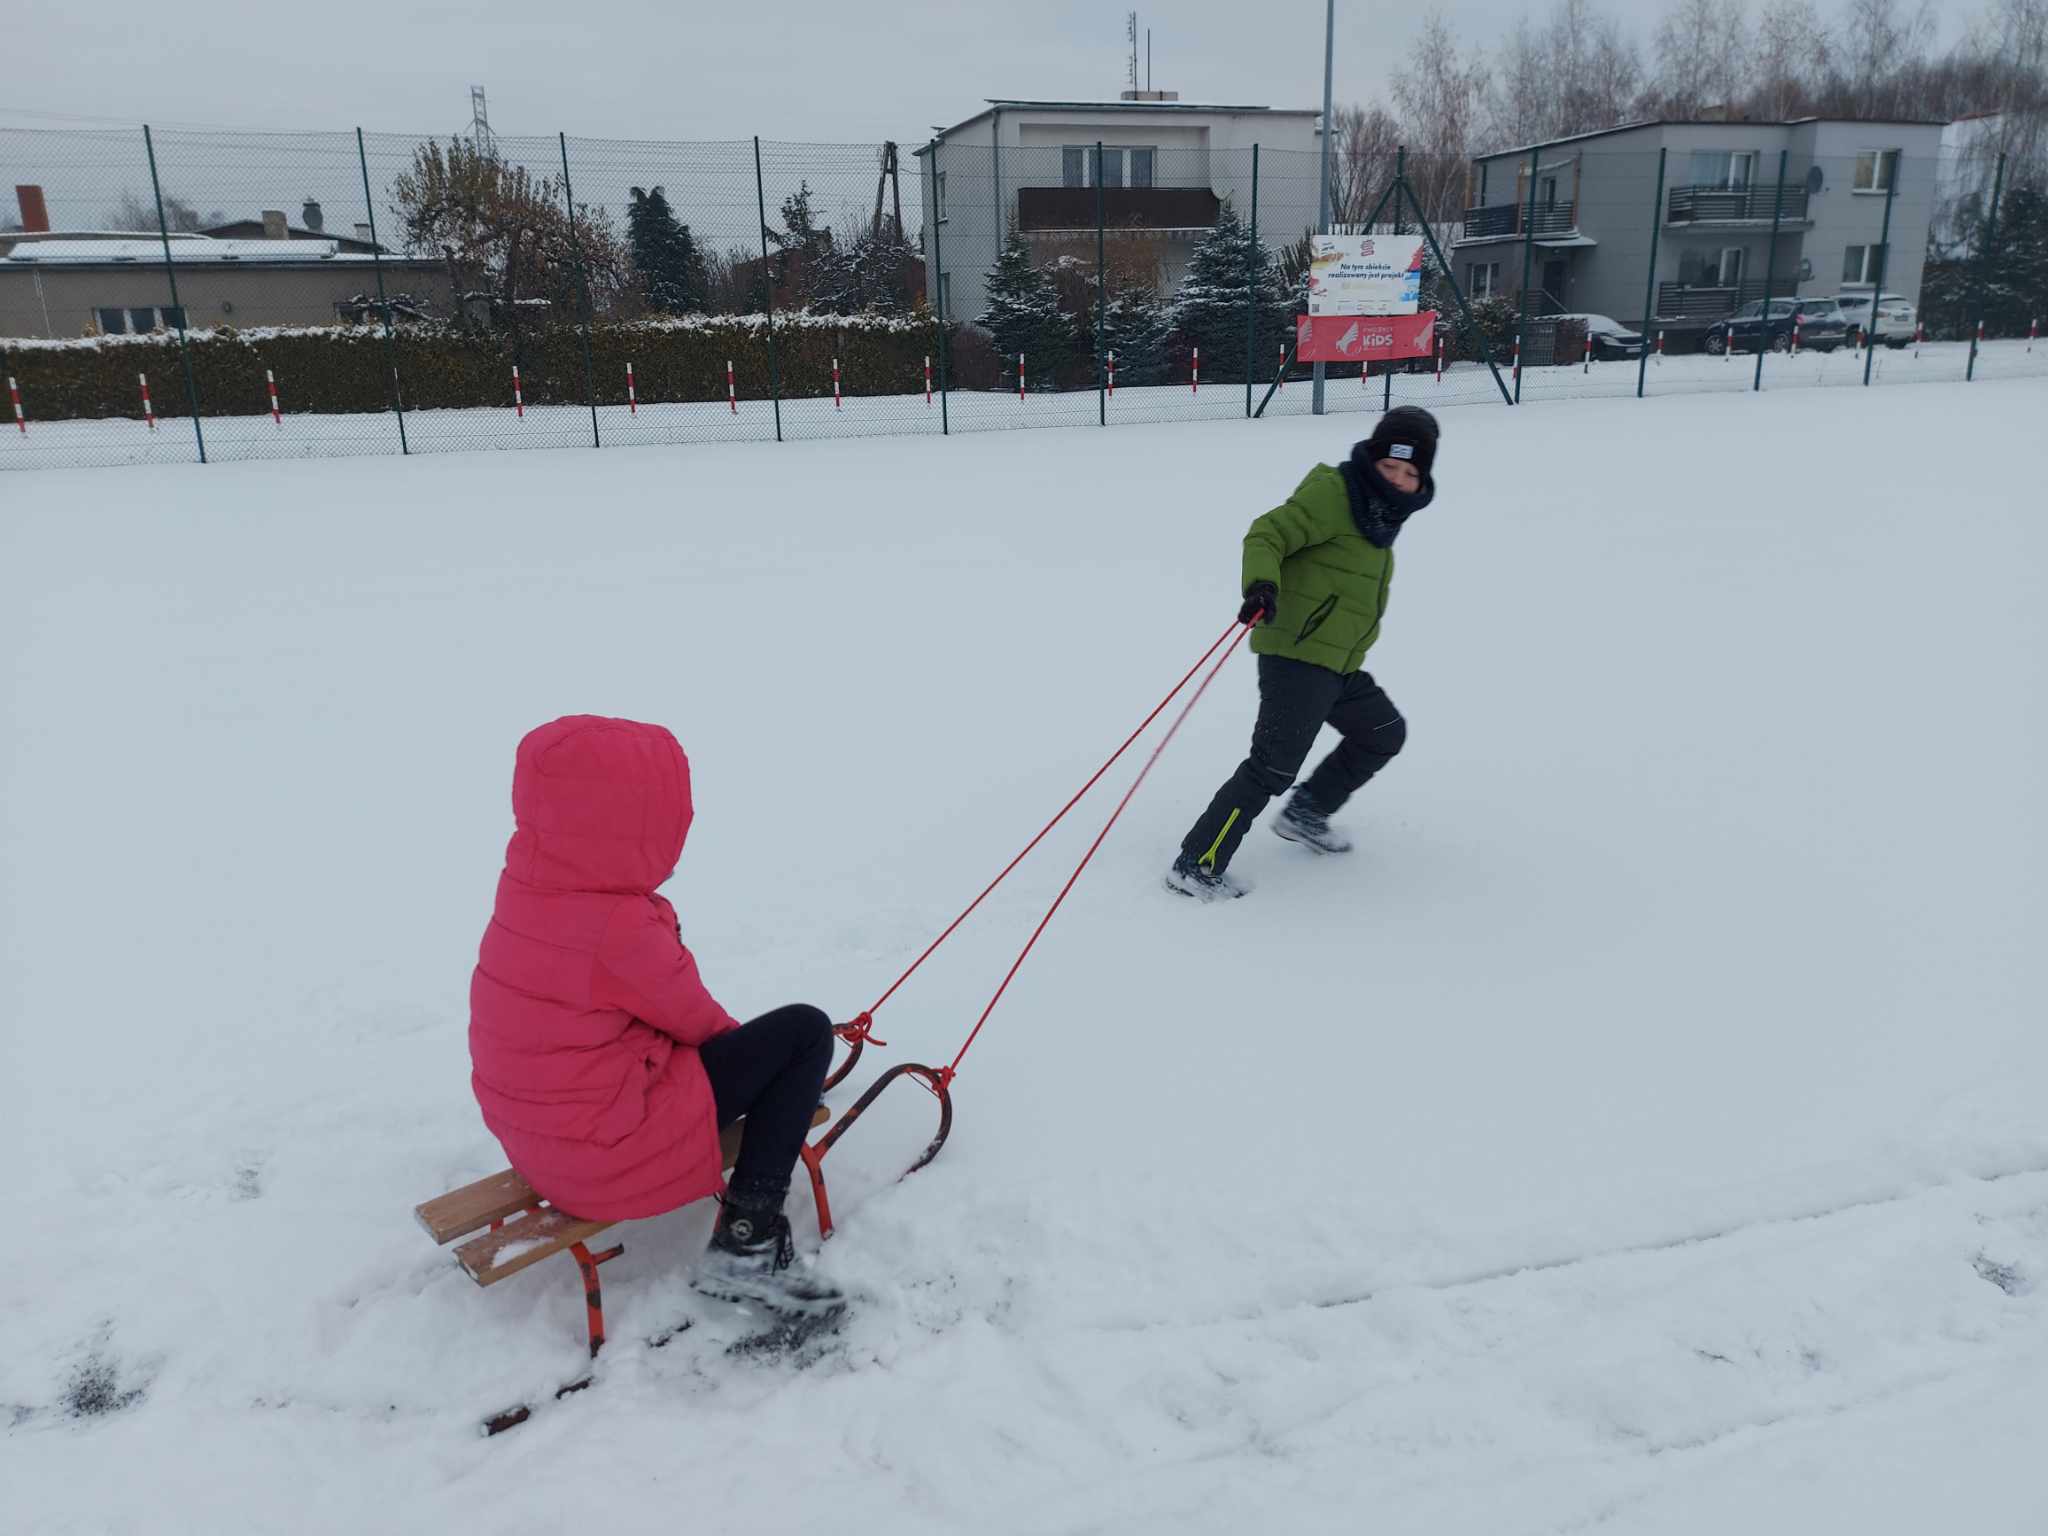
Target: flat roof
pixel 1017 104
pixel 1707 122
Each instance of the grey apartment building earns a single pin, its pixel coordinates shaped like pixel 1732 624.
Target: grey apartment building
pixel 1597 214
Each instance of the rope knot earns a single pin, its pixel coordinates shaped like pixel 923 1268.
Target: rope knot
pixel 860 1031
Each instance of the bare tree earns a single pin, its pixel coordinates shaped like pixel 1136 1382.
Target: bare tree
pixel 1519 108
pixel 134 212
pixel 1878 37
pixel 1791 55
pixel 1363 167
pixel 1440 94
pixel 1704 50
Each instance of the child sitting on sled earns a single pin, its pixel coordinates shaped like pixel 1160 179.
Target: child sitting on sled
pixel 601 1061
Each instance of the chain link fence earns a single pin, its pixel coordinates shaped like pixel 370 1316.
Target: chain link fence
pixel 180 295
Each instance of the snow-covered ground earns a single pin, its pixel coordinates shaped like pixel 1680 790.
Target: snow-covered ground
pixel 256 435
pixel 1641 1132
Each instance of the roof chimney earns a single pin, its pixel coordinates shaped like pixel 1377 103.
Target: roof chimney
pixel 312 215
pixel 35 213
pixel 274 226
pixel 363 232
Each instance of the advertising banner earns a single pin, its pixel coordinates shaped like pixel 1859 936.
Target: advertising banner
pixel 1365 275
pixel 1364 338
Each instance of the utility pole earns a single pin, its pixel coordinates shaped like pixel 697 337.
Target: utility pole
pixel 1329 134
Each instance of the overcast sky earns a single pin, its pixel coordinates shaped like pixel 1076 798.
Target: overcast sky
pixel 831 70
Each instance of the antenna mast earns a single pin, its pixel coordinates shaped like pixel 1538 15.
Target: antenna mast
pixel 480 120
pixel 1131 32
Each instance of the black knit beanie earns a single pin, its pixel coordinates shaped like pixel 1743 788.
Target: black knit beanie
pixel 1406 432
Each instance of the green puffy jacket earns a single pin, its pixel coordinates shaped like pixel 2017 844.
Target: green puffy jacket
pixel 1333 582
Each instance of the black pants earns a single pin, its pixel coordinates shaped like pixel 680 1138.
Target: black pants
pixel 772 1070
pixel 1296 699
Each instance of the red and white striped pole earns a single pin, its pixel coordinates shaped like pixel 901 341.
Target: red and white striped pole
pixel 518 399
pixel 1660 345
pixel 1112 373
pixel 632 399
pixel 1919 336
pixel 1518 359
pixel 1586 366
pixel 1283 365
pixel 927 378
pixel 148 410
pixel 1195 378
pixel 1439 358
pixel 1798 326
pixel 1980 334
pixel 1020 375
pixel 731 394
pixel 835 384
pixel 2033 331
pixel 270 379
pixel 14 394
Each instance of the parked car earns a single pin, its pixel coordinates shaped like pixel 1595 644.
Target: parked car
pixel 1819 322
pixel 1611 339
pixel 1896 317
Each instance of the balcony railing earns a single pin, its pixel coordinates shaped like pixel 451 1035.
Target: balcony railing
pixel 1043 209
pixel 1499 219
pixel 1684 301
pixel 1725 205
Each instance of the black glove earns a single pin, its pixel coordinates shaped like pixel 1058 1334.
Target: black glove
pixel 1261 603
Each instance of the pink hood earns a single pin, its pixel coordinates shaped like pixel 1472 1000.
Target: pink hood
pixel 585 1008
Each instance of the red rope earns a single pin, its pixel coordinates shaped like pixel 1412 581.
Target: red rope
pixel 866 1020
pixel 946 1074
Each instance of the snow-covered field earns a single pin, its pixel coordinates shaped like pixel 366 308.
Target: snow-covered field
pixel 236 438
pixel 1642 1132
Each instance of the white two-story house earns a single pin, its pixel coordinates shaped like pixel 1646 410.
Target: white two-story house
pixel 1167 168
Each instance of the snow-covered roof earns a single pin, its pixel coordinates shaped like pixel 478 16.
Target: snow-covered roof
pixel 194 249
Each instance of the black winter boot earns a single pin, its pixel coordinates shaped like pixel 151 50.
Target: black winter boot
pixel 752 1260
pixel 1302 821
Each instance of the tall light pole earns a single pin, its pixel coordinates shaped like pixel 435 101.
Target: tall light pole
pixel 1323 198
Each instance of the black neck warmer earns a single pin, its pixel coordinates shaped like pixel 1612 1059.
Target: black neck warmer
pixel 1376 507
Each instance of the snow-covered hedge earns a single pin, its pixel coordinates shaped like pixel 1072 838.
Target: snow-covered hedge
pixel 348 368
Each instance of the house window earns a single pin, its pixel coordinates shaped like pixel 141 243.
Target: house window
pixel 1875 169
pixel 142 321
pixel 1123 165
pixel 173 316
pixel 1860 263
pixel 1727 170
pixel 939 195
pixel 1549 186
pixel 113 322
pixel 1483 279
pixel 1710 268
pixel 1731 265
pixel 945 295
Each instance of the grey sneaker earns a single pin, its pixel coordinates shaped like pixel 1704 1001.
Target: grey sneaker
pixel 1187 878
pixel 752 1261
pixel 1300 822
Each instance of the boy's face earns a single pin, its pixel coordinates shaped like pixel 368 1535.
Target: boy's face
pixel 1402 475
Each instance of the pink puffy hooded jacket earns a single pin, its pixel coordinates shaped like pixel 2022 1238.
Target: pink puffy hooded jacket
pixel 585 1009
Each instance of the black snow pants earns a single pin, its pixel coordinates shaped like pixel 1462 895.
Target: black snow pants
pixel 1296 699
pixel 772 1070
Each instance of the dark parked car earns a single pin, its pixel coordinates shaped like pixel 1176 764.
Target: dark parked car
pixel 1611 339
pixel 1820 323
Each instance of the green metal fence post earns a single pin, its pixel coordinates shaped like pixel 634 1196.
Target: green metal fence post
pixel 768 289
pixel 1990 236
pixel 1387 387
pixel 1528 257
pixel 582 282
pixel 177 309
pixel 1251 292
pixel 1401 188
pixel 935 215
pixel 1650 282
pixel 1884 256
pixel 1101 295
pixel 383 304
pixel 1763 340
